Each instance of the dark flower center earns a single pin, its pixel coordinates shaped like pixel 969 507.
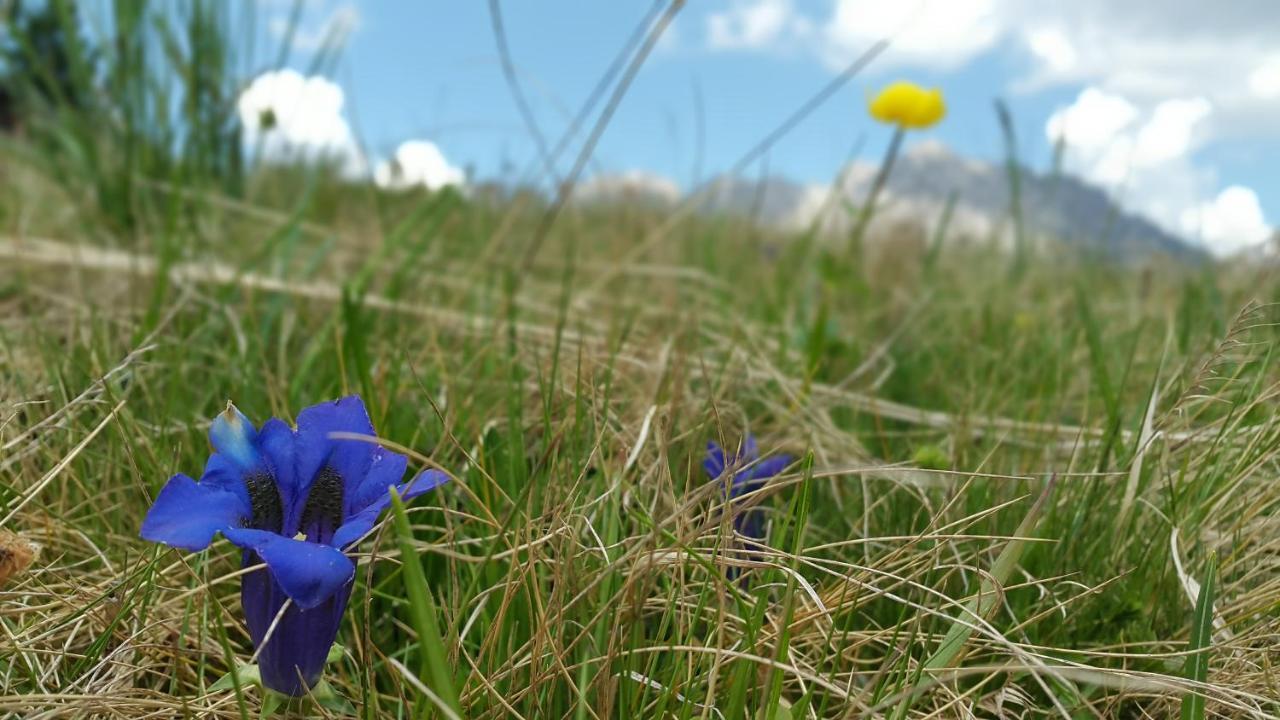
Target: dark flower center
pixel 264 497
pixel 323 511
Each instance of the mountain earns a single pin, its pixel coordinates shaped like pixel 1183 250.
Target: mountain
pixel 1057 206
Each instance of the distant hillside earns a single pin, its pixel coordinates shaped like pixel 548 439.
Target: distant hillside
pixel 1060 206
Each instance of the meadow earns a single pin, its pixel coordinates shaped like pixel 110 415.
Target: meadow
pixel 1042 486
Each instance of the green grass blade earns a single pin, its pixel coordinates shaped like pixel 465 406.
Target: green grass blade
pixel 1097 353
pixel 1197 670
pixel 233 675
pixel 1013 172
pixel 422 608
pixel 940 233
pixel 1001 571
pixel 982 604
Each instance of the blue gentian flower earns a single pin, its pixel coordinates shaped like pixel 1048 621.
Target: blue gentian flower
pixel 749 474
pixel 295 501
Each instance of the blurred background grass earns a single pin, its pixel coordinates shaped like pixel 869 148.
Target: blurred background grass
pixel 934 391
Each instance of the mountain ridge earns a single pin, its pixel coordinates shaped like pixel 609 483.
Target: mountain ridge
pixel 1054 205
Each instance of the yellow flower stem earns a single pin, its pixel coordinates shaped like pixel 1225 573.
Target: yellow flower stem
pixel 877 186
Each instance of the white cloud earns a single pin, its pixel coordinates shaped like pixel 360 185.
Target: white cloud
pixel 1102 131
pixel 630 186
pixel 288 116
pixel 1052 47
pixel 1145 50
pixel 1264 81
pixel 1109 137
pixel 1152 50
pixel 752 24
pixel 1092 122
pixel 1170 131
pixel 417 163
pixel 1229 223
pixel 942 33
pixel 1145 159
pixel 332 31
pixel 937 33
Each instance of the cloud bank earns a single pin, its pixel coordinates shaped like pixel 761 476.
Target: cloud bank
pixel 288 117
pixel 417 163
pixel 1144 157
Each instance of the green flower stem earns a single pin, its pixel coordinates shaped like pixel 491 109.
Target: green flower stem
pixel 877 186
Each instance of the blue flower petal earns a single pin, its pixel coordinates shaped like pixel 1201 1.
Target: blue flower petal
pixel 756 475
pixel 714 464
pixel 315 450
pixel 750 451
pixel 223 473
pixel 770 466
pixel 750 523
pixel 309 573
pixel 387 470
pixel 233 436
pixel 292 659
pixel 356 527
pixel 362 522
pixel 187 514
pixel 276 443
pixel 423 482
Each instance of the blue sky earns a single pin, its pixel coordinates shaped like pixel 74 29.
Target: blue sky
pixel 1168 104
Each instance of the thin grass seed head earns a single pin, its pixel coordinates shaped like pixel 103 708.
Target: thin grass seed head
pixel 294 500
pixel 908 106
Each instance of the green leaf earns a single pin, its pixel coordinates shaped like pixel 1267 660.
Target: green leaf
pixel 1201 642
pixel 335 653
pixel 329 699
pixel 271 702
pixel 238 678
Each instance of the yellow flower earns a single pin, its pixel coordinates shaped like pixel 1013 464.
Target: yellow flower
pixel 908 105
